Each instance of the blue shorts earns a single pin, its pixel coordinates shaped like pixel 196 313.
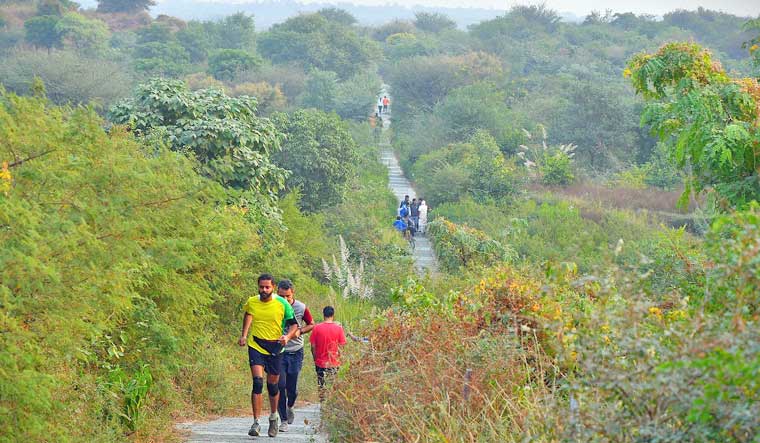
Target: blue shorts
pixel 292 362
pixel 272 363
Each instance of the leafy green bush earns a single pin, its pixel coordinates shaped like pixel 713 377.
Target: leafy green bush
pixel 107 246
pixel 321 155
pixel 476 168
pixel 650 372
pixel 459 246
pixel 556 170
pixel 224 133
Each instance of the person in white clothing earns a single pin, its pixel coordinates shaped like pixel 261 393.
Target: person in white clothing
pixel 423 216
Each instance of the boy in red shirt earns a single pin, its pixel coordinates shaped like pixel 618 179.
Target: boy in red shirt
pixel 326 340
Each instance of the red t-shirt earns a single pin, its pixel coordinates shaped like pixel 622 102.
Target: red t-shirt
pixel 326 340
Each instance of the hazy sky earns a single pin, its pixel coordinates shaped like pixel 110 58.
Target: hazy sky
pixel 583 7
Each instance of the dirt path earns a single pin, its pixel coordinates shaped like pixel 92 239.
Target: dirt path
pixel 235 429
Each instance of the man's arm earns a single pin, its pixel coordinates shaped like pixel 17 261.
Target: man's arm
pixel 247 319
pixel 290 322
pixel 309 320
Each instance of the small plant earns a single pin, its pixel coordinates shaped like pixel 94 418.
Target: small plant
pixel 132 391
pixel 350 282
pixel 551 165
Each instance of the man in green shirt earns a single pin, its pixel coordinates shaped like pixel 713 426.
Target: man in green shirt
pixel 266 317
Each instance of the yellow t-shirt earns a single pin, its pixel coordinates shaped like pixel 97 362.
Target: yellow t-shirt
pixel 270 319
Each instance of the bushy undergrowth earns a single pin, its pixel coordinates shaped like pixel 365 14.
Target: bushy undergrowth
pixel 492 338
pixel 508 354
pixel 592 238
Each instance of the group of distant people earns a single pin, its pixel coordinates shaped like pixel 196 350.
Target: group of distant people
pixel 412 217
pixel 383 104
pixel 273 329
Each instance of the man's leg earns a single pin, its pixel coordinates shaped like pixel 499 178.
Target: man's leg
pixel 274 391
pixel 292 388
pixel 257 372
pixel 320 382
pixel 273 369
pixel 282 403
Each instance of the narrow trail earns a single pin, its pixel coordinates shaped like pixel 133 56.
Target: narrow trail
pixel 424 257
pixel 305 428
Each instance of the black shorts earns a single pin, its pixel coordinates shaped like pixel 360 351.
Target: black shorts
pixel 272 363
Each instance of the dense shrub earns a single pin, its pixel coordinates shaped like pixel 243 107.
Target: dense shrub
pixel 107 248
pixel 461 246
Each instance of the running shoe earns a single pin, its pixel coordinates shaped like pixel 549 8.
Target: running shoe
pixel 283 427
pixel 273 419
pixel 291 416
pixel 255 430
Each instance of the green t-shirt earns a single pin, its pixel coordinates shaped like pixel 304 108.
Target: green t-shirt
pixel 270 319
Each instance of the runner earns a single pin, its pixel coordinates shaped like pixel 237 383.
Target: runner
pixel 423 216
pixel 326 340
pixel 414 212
pixel 292 359
pixel 266 317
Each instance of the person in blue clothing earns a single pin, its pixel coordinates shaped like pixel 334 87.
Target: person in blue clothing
pixel 399 224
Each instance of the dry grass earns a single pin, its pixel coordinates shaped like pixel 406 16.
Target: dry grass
pixel 480 375
pixel 651 199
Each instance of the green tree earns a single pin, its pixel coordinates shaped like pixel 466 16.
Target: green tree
pixel 337 15
pixel 321 154
pixel 196 40
pixel 707 119
pixel 236 31
pixel 232 144
pixel 312 41
pixel 226 64
pixel 434 22
pixel 163 59
pixel 398 46
pixel 124 5
pixel 160 32
pixel 320 91
pixel 356 95
pixel 753 44
pixel 83 34
pixel 42 31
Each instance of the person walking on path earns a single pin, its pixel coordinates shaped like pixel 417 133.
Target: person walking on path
pixel 386 103
pixel 414 213
pixel 379 105
pixel 326 340
pixel 266 317
pixel 423 213
pixel 292 359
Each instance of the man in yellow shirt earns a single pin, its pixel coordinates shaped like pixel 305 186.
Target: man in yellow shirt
pixel 266 317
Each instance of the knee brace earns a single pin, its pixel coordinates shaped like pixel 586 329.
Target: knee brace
pixel 258 385
pixel 273 389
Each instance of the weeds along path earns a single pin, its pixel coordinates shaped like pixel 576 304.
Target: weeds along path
pixel 424 257
pixel 305 428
